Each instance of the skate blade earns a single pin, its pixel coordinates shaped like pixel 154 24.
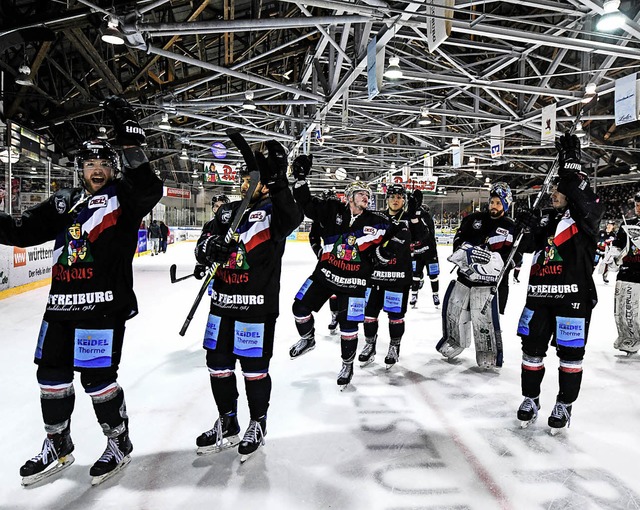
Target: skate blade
pixel 302 353
pixel 228 442
pixel 62 464
pixel 390 366
pixel 555 431
pixel 367 363
pixel 97 480
pixel 344 386
pixel 525 423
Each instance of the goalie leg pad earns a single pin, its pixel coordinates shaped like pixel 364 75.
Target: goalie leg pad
pixel 486 327
pixel 456 321
pixel 627 316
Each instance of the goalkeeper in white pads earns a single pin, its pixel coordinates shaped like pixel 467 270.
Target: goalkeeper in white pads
pixel 561 293
pixel 624 256
pixel 481 245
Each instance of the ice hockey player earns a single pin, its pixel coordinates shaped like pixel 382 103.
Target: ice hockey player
pixel 480 247
pixel 390 282
pixel 624 253
pixel 561 293
pixel 424 252
pixel 315 240
pixel 605 238
pixel 244 300
pixel 217 201
pixel 351 235
pixel 95 229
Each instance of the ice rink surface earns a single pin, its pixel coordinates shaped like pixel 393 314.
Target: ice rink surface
pixel 428 434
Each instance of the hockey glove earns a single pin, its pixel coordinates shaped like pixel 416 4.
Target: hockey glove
pixel 273 168
pixel 301 166
pixel 479 255
pixel 125 123
pixel 199 271
pixel 66 200
pixel 216 250
pixel 527 219
pixel 569 153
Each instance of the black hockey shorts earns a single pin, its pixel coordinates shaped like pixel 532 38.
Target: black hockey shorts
pixel 565 326
pixel 313 295
pixel 92 347
pixel 392 301
pixel 249 340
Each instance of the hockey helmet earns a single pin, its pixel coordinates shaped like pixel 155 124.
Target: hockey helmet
pixel 356 186
pixel 219 198
pixel 636 197
pixel 329 194
pixel 503 192
pixel 96 149
pixel 396 189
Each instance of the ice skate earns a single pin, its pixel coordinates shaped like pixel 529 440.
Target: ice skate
pixel 368 353
pixel 333 325
pixel 413 301
pixel 393 355
pixel 448 350
pixel 114 459
pixel 222 436
pixel 253 438
pixel 54 457
pixel 560 417
pixel 345 375
pixel 305 344
pixel 528 411
pixel 436 300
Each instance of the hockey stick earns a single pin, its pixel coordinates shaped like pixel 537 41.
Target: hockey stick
pixel 172 274
pixel 254 175
pixel 544 189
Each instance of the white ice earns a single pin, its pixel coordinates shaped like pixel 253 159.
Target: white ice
pixel 428 434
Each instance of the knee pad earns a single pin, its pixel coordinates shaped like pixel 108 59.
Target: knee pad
pixel 486 326
pixel 456 317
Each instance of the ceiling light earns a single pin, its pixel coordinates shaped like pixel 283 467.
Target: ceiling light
pixel 183 155
pixel 393 166
pixel 393 72
pixel 102 133
pixel 590 88
pixel 472 160
pixel 24 76
pixel 164 123
pixel 112 34
pixel 248 103
pixel 9 154
pixel 612 19
pixel 579 132
pixel 361 153
pixel 424 117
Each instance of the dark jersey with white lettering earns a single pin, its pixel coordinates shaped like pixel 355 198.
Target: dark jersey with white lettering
pixel 423 236
pixel 346 262
pixel 565 245
pixel 94 245
pixel 493 234
pixel 248 284
pixel 398 273
pixel 630 268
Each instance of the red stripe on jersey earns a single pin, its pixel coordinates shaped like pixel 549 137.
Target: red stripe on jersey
pixel 108 221
pixel 256 239
pixel 565 235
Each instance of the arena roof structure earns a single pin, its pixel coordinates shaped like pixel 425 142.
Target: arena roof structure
pixel 297 71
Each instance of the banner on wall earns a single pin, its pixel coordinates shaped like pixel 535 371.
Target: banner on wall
pixel 177 192
pixel 548 128
pixel 19 266
pixel 626 94
pixel 497 141
pixel 439 16
pixel 220 173
pixel 426 184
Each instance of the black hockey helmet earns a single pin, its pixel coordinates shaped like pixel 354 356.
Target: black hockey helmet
pixel 396 189
pixel 96 149
pixel 219 198
pixel 328 194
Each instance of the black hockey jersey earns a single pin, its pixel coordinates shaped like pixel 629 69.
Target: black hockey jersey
pixel 423 236
pixel 94 245
pixel 346 262
pixel 565 244
pixel 398 273
pixel 248 284
pixel 630 269
pixel 493 234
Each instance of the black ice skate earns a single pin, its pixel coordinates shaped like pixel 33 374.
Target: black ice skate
pixel 414 300
pixel 54 457
pixel 436 300
pixel 560 417
pixel 305 344
pixel 528 411
pixel 114 459
pixel 393 355
pixel 346 373
pixel 333 325
pixel 222 436
pixel 253 438
pixel 368 353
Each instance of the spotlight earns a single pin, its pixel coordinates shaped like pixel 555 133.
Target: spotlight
pixel 361 154
pixel 612 19
pixel 183 155
pixel 579 132
pixel 164 123
pixel 102 133
pixel 424 117
pixel 393 72
pixel 112 34
pixel 248 103
pixel 24 76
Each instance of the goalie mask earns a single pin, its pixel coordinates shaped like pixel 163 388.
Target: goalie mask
pixel 356 186
pixel 503 192
pixel 97 150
